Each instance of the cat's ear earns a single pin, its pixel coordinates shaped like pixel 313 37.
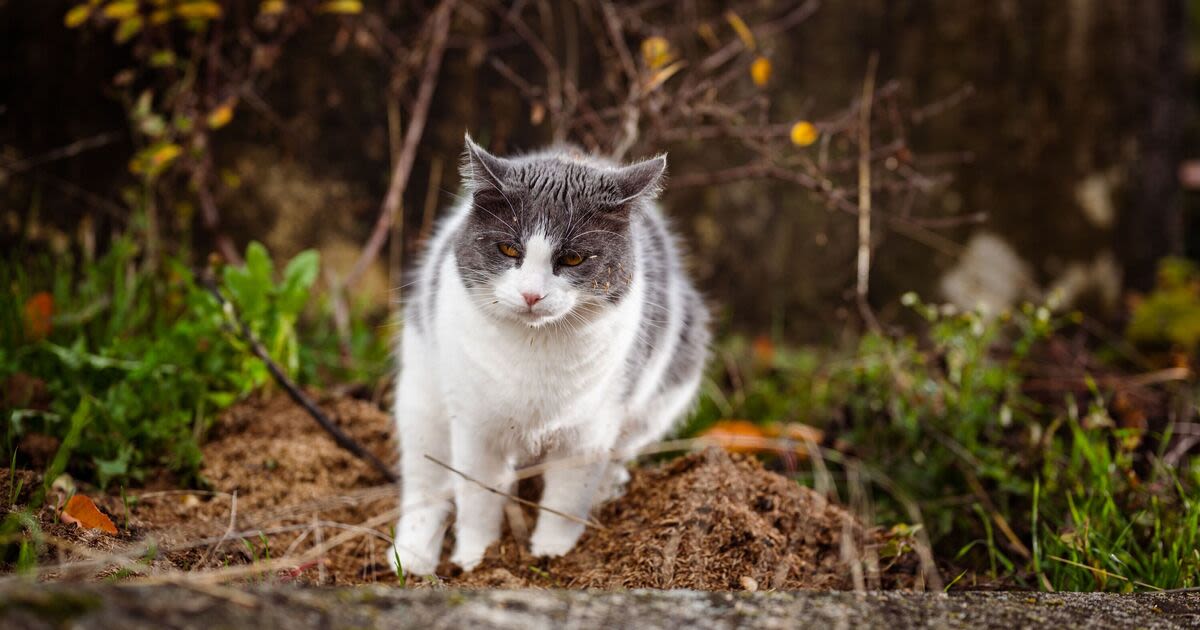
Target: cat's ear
pixel 641 179
pixel 483 168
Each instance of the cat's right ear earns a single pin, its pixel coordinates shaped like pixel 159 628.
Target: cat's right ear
pixel 483 168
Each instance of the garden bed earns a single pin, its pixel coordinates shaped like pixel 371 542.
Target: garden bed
pixel 284 503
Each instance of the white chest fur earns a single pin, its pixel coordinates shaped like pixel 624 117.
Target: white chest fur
pixel 525 389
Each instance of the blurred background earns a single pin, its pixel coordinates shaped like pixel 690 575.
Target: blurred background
pixel 1019 147
pixel 960 227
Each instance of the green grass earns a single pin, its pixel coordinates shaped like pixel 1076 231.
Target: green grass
pixel 1029 494
pixel 134 361
pixel 137 359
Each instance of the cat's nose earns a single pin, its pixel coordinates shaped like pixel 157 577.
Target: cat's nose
pixel 531 299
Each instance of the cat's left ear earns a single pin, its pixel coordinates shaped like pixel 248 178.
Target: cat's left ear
pixel 640 180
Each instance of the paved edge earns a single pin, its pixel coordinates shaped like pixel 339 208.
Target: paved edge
pixel 33 605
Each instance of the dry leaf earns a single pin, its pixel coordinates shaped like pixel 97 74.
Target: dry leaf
pixel 120 9
pixel 347 7
pixel 83 512
pixel 656 52
pixel 760 71
pixel 220 116
pixel 77 15
pixel 39 314
pixel 705 30
pixel 199 10
pixel 804 133
pixel 797 432
pixel 661 76
pixel 272 7
pixel 743 31
pixel 726 433
pixel 763 350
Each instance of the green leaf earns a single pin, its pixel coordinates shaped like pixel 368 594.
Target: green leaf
pixel 259 264
pixel 79 420
pixel 162 58
pixel 128 28
pixel 109 469
pixel 298 278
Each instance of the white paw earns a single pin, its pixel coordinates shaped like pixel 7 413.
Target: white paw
pixel 554 541
pixel 467 557
pixel 613 487
pixel 405 557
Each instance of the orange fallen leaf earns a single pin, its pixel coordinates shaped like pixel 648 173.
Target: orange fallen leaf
pixel 83 512
pixel 796 431
pixel 39 311
pixel 728 433
pixel 763 350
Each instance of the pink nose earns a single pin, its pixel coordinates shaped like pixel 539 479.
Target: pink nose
pixel 531 298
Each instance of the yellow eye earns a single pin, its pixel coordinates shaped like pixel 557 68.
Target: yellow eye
pixel 509 250
pixel 570 259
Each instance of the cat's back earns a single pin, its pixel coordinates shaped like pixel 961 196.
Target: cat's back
pixel 673 334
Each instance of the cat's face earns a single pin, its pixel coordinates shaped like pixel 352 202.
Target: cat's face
pixel 547 239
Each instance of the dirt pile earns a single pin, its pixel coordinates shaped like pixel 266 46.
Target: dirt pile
pixel 280 487
pixel 709 521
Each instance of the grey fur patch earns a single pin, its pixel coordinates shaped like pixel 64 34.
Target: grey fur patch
pixel 581 205
pixel 594 208
pixel 694 337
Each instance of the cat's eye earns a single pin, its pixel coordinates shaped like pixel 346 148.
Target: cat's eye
pixel 570 259
pixel 508 249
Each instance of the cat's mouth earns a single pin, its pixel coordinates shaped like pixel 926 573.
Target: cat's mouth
pixel 535 318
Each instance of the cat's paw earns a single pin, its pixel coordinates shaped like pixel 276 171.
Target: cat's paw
pixel 554 541
pixel 403 559
pixel 467 557
pixel 616 479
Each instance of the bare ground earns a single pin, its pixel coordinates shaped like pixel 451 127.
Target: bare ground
pixel 287 505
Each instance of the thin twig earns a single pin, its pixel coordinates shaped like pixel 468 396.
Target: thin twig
pixel 293 391
pixel 412 138
pixel 569 517
pixel 228 530
pixel 864 194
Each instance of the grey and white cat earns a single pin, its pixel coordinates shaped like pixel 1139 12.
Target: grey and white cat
pixel 550 319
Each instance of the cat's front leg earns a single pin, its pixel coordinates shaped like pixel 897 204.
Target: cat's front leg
pixel 569 489
pixel 427 487
pixel 479 510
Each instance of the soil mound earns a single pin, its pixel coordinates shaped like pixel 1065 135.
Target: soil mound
pixel 708 521
pixel 280 486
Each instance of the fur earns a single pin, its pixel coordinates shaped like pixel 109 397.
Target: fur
pixel 506 360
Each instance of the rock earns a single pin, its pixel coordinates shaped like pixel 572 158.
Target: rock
pixel 29 605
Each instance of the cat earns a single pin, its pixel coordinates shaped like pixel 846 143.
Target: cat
pixel 550 318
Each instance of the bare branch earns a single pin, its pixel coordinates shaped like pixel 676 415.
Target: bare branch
pixel 412 138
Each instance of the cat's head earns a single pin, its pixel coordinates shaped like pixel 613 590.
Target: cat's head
pixel 548 235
